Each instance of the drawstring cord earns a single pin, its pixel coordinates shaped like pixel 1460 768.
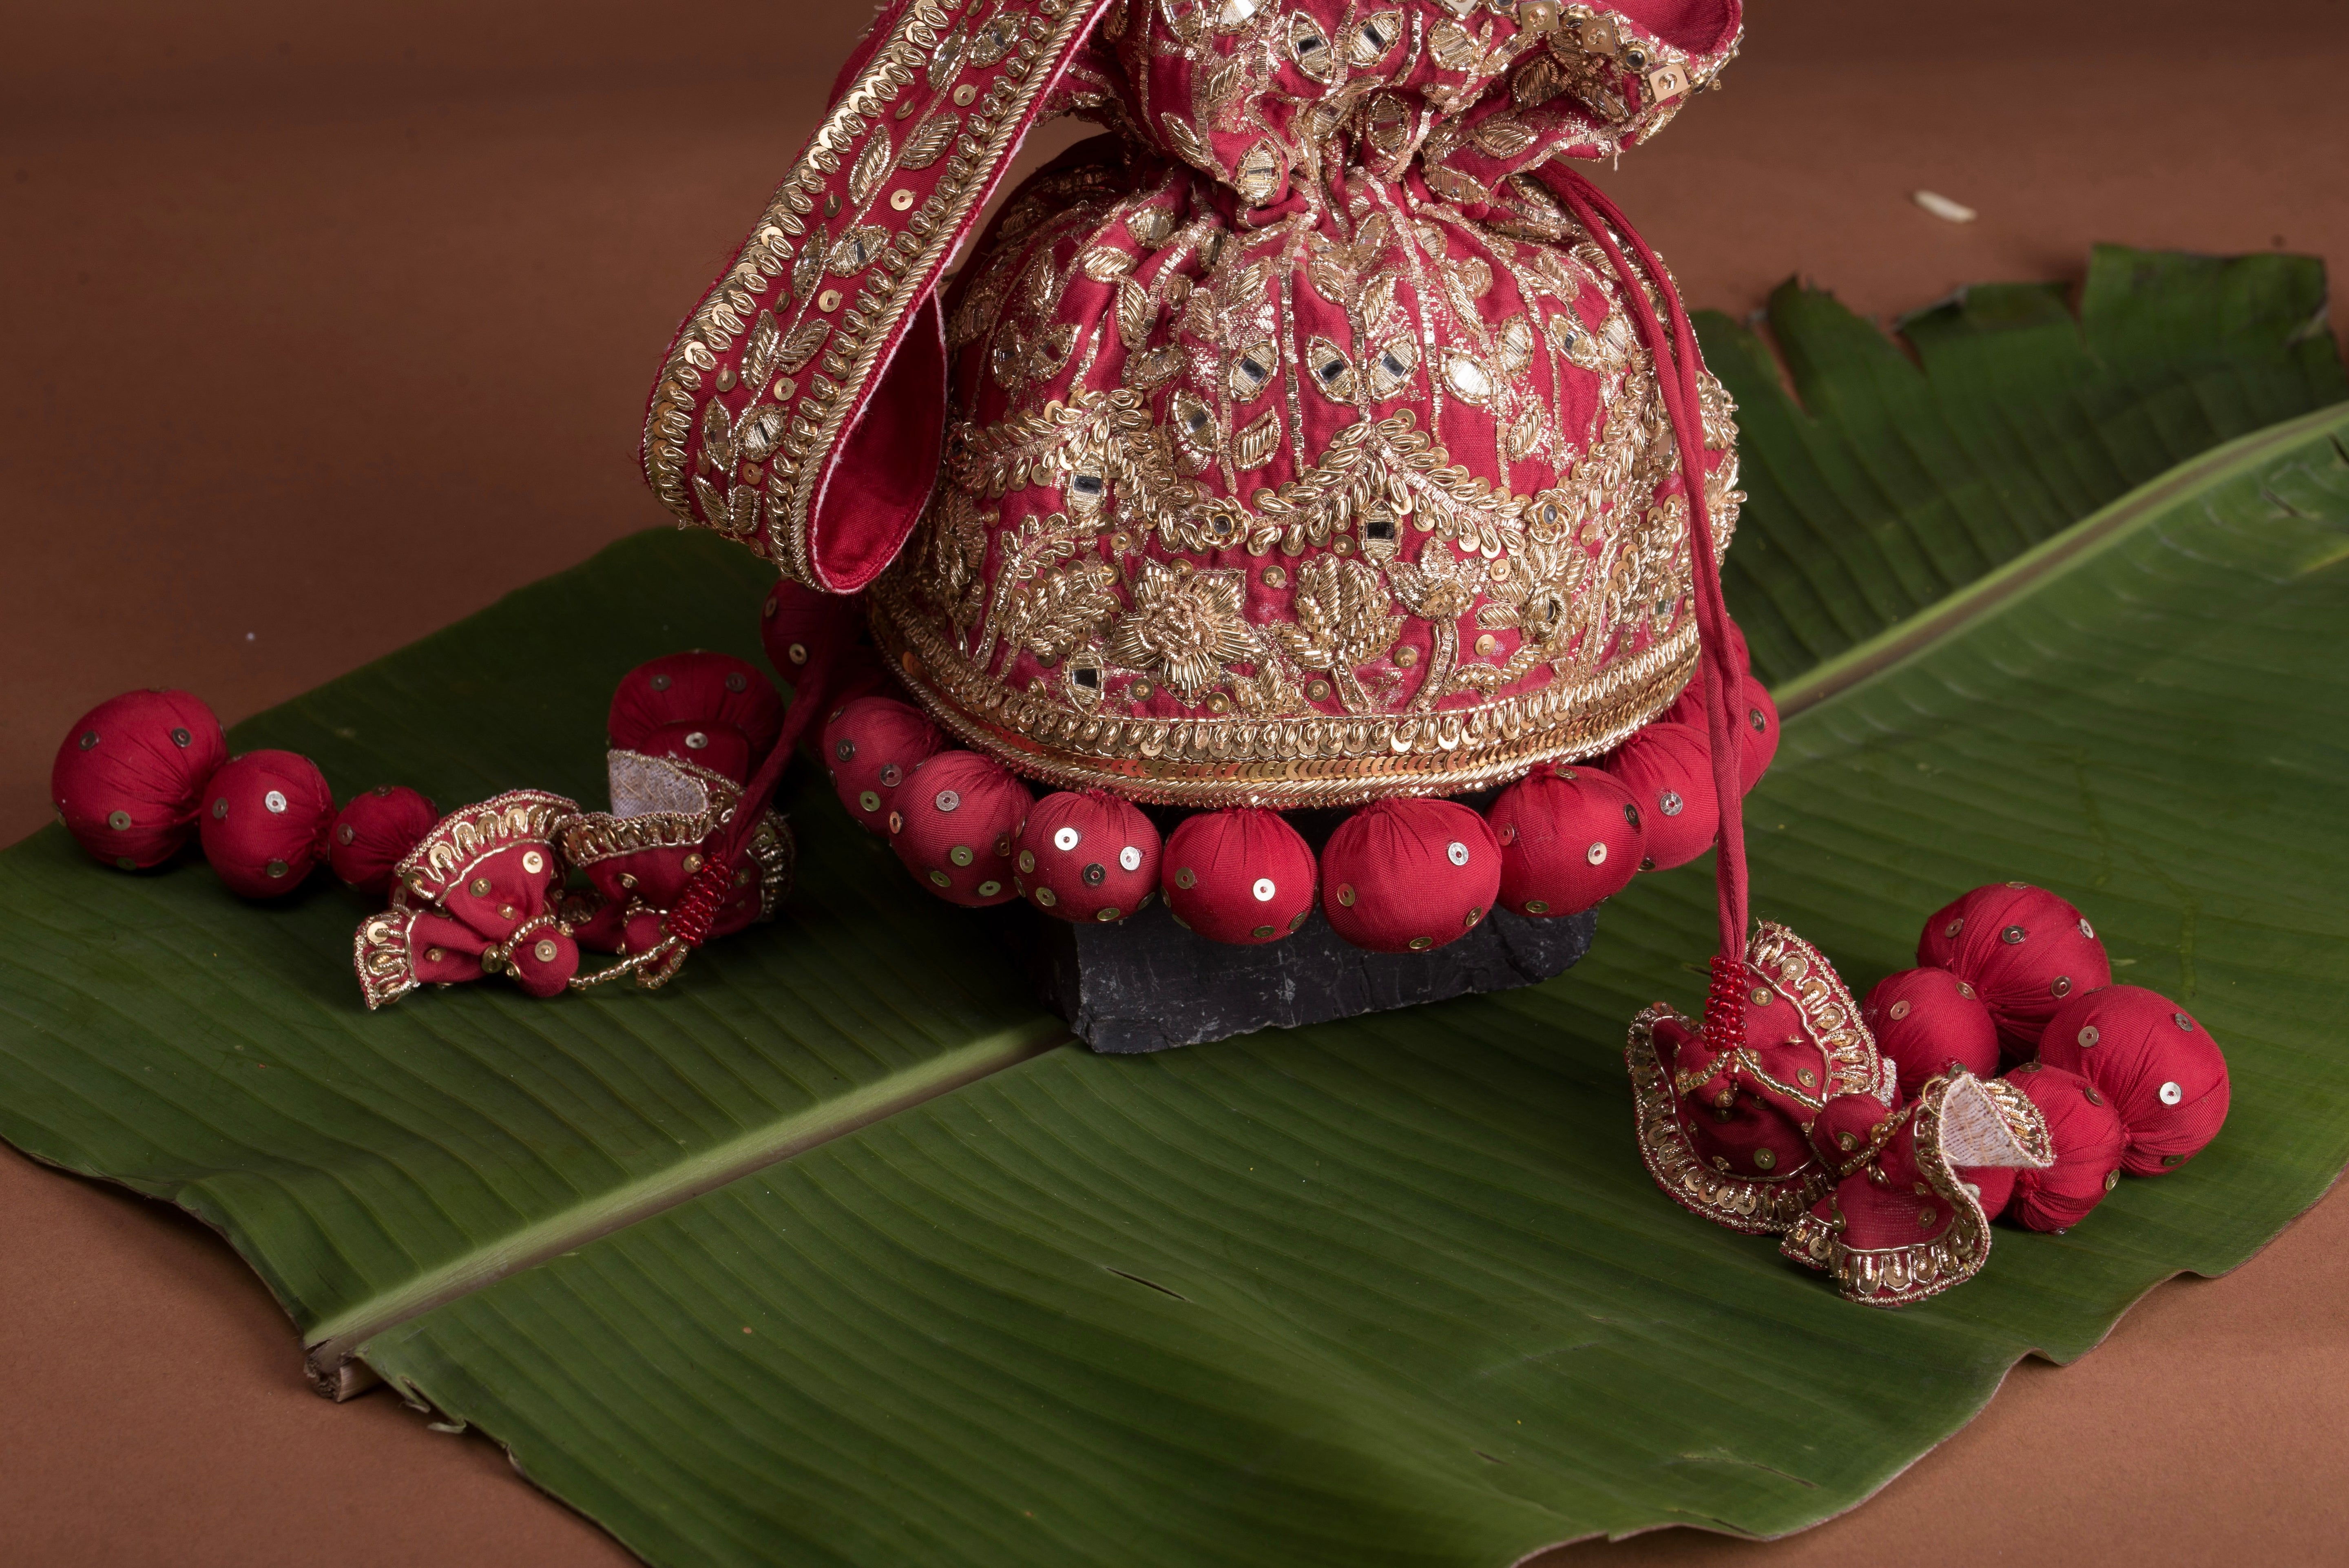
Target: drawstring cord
pixel 1676 361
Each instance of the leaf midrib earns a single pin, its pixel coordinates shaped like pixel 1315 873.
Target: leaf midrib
pixel 1920 633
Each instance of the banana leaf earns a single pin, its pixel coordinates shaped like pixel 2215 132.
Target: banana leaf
pixel 1894 481
pixel 1394 1290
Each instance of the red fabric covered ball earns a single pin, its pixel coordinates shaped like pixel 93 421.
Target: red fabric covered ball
pixel 1757 732
pixel 952 825
pixel 1668 768
pixel 1993 1186
pixel 871 746
pixel 128 779
pixel 1401 876
pixel 1569 837
pixel 713 709
pixel 1755 720
pixel 2086 1131
pixel 2025 949
pixel 797 623
pixel 2156 1063
pixel 266 824
pixel 1242 876
pixel 374 833
pixel 1928 1019
pixel 1089 856
pixel 543 959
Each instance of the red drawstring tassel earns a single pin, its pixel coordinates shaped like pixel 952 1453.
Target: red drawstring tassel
pixel 1676 362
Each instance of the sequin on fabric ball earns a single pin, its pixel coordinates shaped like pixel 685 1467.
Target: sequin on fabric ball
pixel 2023 948
pixel 1928 1020
pixel 871 746
pixel 1668 768
pixel 2153 1061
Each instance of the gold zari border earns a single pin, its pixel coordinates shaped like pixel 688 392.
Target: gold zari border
pixel 1282 763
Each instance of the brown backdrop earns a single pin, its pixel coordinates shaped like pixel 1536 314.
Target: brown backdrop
pixel 321 326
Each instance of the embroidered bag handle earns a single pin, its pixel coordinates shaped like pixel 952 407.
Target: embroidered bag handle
pixel 802 403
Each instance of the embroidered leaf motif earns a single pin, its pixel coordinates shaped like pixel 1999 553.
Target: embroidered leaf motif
pixel 1309 47
pixel 947 57
pixel 1537 81
pixel 733 513
pixel 872 166
pixel 759 354
pixel 1258 176
pixel 930 139
pixel 1135 315
pixel 1223 85
pixel 1502 135
pixel 1253 444
pixel 1453 185
pixel 1454 48
pixel 1516 347
pixel 1379 302
pixel 801 345
pixel 1054 612
pixel 1106 264
pixel 1332 278
pixel 1187 145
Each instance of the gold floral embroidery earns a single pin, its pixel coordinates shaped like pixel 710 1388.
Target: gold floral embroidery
pixel 1185 627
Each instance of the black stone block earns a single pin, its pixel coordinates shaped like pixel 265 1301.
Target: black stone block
pixel 1147 983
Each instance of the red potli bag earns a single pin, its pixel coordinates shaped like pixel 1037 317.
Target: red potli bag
pixel 1318 438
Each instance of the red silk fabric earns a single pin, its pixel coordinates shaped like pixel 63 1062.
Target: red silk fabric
pixel 130 776
pixel 1083 857
pixel 2153 1061
pixel 1406 875
pixel 265 822
pixel 1243 876
pixel 1569 837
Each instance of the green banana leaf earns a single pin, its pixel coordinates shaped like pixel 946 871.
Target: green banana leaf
pixel 1396 1290
pixel 1893 483
pixel 156 1030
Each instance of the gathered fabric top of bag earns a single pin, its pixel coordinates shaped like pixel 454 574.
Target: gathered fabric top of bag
pixel 1294 444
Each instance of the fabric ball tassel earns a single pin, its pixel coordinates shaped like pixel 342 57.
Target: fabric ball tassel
pixel 1668 768
pixel 1928 1020
pixel 1569 838
pixel 954 823
pixel 128 779
pixel 2088 1139
pixel 709 709
pixel 1757 728
pixel 266 824
pixel 2025 950
pixel 871 746
pixel 1083 857
pixel 1405 875
pixel 1242 876
pixel 374 833
pixel 2153 1061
